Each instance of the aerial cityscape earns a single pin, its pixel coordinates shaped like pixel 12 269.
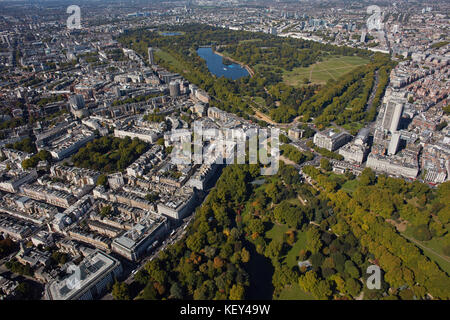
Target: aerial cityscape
pixel 224 150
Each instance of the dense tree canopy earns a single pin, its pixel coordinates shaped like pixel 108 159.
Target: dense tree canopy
pixel 109 154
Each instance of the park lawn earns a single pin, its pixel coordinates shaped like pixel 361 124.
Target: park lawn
pixel 294 292
pixel 291 258
pixel 434 244
pixel 353 127
pixel 260 101
pixel 295 202
pixel 442 263
pixel 350 185
pixel 319 73
pixel 437 244
pixel 161 33
pixel 338 178
pixel 257 67
pixel 250 40
pixel 277 232
pixel 170 59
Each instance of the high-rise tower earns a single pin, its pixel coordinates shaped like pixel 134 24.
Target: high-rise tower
pixel 392 115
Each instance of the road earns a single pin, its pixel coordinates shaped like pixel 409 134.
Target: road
pixel 261 116
pixel 315 162
pixel 369 104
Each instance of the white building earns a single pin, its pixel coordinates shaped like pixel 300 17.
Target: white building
pixel 391 166
pixel 135 242
pixel 87 281
pixel 331 140
pixel 142 134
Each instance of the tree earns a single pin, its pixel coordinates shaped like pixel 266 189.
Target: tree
pixel 351 269
pixel 26 145
pixel 322 290
pixel 237 292
pixel 308 281
pixel 108 154
pixel 176 292
pixel 105 211
pixel 303 255
pixel 325 164
pixel 59 257
pixel 286 213
pixel 367 177
pixel 44 155
pixel 218 262
pixel 6 247
pixel 160 141
pixel 24 290
pixel 422 233
pixel 141 277
pixel 120 291
pixel 328 272
pixel 195 242
pixel 273 192
pixel 245 255
pixel 102 180
pixel 273 250
pixel 316 260
pixel 255 226
pixel 149 292
pixel 313 242
pixel 353 286
pixel 152 197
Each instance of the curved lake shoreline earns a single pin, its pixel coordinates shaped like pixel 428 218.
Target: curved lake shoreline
pixel 246 67
pixel 214 61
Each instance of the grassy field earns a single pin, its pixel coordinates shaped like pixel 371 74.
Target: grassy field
pixel 250 40
pixel 319 73
pixel 260 101
pixel 294 292
pixel 350 185
pixel 169 58
pixel 294 201
pixel 355 126
pixel 161 33
pixel 433 250
pixel 437 244
pixel 291 258
pixel 277 232
pixel 444 264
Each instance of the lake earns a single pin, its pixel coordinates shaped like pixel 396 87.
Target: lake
pixel 260 271
pixel 171 33
pixel 215 65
